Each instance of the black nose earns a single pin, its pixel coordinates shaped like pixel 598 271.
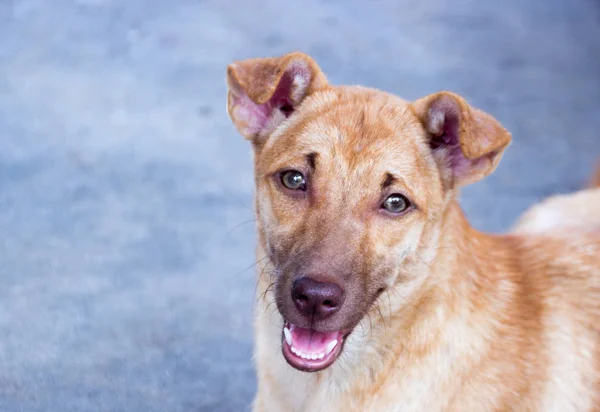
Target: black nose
pixel 317 300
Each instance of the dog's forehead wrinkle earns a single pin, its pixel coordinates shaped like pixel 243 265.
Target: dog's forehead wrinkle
pixel 343 133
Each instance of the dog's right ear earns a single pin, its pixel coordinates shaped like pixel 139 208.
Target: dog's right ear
pixel 263 92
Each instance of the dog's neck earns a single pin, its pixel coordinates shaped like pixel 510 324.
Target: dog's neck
pixel 468 258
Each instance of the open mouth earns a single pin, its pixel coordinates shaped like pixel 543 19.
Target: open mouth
pixel 309 350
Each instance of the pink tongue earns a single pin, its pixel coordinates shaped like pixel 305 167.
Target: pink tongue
pixel 311 341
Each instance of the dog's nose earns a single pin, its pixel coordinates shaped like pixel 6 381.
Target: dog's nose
pixel 317 300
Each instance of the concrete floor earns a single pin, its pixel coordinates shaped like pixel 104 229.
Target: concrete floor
pixel 125 193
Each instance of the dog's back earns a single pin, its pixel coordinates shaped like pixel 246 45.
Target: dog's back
pixel 577 211
pixel 595 181
pixel 561 238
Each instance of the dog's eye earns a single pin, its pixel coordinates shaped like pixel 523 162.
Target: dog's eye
pixel 395 203
pixel 293 180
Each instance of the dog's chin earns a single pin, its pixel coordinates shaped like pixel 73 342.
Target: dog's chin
pixel 309 350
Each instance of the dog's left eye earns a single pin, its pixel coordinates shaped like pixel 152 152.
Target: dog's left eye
pixel 396 203
pixel 293 180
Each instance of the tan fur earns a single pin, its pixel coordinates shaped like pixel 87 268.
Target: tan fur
pixel 595 181
pixel 467 321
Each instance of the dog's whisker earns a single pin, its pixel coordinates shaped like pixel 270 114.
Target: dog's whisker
pixel 259 277
pixel 226 234
pixel 250 267
pixel 381 315
pixel 266 291
pixel 397 294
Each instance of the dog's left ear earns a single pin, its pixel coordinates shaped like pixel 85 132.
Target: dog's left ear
pixel 467 143
pixel 263 92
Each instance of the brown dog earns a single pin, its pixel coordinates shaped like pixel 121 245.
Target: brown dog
pixel 374 280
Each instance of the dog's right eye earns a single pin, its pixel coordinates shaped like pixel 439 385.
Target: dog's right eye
pixel 293 180
pixel 396 203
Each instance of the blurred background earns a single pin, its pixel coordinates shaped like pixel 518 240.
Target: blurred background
pixel 126 232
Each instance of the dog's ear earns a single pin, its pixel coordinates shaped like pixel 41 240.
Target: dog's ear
pixel 263 92
pixel 467 143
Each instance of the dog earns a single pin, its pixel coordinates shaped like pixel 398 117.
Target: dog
pixel 374 293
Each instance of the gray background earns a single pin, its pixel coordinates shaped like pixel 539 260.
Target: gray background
pixel 124 188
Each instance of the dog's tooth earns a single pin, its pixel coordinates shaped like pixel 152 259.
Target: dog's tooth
pixel 314 356
pixel 288 336
pixel 330 346
pixel 320 356
pixel 294 350
pixel 303 355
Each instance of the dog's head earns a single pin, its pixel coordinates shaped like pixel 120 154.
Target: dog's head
pixel 352 185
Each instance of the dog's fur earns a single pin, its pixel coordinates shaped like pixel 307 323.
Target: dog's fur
pixel 443 317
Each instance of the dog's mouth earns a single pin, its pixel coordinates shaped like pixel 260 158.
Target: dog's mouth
pixel 309 350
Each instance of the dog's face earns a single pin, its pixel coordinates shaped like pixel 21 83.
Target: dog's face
pixel 352 185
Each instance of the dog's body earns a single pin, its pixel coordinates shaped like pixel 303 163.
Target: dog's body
pixel 522 336
pixel 433 315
